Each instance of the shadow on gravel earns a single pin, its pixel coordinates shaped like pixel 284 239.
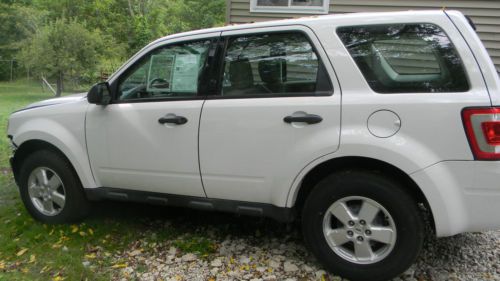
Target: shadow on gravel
pixel 185 221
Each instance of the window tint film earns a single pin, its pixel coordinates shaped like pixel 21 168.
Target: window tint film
pixel 273 64
pixel 403 58
pixel 171 72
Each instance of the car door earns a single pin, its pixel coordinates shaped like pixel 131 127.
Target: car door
pixel 278 108
pixel 147 138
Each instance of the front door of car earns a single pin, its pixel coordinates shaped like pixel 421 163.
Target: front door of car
pixel 278 108
pixel 147 138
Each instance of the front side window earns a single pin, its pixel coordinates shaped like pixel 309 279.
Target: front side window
pixel 290 6
pixel 405 58
pixel 174 71
pixel 273 65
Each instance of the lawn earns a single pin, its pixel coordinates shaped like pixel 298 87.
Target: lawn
pixel 105 244
pixel 92 250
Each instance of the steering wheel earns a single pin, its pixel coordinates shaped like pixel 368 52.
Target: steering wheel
pixel 159 83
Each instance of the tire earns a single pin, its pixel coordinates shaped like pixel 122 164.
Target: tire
pixel 397 222
pixel 57 198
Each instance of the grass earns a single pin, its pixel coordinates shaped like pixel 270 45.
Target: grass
pixel 30 250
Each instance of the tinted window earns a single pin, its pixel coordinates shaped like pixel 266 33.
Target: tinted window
pixel 418 58
pixel 273 64
pixel 174 71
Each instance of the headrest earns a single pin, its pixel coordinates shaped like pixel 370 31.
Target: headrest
pixel 240 74
pixel 273 70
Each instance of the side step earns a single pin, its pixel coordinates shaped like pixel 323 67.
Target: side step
pixel 281 214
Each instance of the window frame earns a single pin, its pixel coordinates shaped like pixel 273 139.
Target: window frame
pixel 205 76
pixel 220 58
pixel 290 9
pixel 459 55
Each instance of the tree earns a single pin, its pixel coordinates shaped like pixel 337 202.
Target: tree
pixel 63 48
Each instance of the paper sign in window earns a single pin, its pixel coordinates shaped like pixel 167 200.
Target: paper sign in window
pixel 185 73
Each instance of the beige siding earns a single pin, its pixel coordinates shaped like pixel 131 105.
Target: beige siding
pixel 484 13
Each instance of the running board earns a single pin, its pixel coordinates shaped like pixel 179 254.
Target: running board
pixel 281 214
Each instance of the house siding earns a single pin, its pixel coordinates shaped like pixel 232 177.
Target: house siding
pixel 484 13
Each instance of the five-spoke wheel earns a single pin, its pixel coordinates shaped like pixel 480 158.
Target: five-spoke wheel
pixel 46 191
pixel 359 230
pixel 362 225
pixel 50 188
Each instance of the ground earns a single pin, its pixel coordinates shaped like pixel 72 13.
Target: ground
pixel 140 242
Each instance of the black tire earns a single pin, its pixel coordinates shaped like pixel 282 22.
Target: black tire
pixel 76 205
pixel 391 196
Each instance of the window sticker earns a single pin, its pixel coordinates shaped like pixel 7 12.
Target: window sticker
pixel 185 73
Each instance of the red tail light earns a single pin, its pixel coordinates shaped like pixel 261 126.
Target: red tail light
pixel 482 126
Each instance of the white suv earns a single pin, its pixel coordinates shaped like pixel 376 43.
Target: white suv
pixel 354 124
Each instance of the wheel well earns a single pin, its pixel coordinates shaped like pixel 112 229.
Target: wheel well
pixel 356 163
pixel 27 148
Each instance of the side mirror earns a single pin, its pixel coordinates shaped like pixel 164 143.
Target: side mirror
pixel 99 94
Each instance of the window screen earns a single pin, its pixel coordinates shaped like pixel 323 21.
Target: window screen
pixel 405 58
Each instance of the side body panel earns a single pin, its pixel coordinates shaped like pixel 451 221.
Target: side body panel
pixel 62 125
pixel 248 152
pixel 129 149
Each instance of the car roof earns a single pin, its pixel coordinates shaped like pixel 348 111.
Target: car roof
pixel 354 17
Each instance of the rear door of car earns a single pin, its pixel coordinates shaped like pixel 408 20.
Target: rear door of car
pixel 276 110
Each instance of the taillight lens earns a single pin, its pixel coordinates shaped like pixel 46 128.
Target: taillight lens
pixel 482 126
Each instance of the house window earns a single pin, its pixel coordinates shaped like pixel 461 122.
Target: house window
pixel 290 6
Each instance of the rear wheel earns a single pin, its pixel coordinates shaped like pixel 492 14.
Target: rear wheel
pixel 50 189
pixel 362 225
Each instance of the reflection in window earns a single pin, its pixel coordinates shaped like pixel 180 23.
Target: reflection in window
pixel 307 3
pixel 272 2
pixel 290 6
pixel 169 72
pixel 401 58
pixel 271 64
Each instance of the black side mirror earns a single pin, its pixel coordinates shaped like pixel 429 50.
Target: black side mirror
pixel 99 94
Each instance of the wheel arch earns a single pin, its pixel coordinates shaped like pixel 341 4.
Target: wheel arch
pixel 30 146
pixel 325 168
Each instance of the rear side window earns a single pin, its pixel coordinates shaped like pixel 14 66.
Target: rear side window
pixel 276 64
pixel 405 58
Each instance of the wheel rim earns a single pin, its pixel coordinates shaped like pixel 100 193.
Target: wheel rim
pixel 46 191
pixel 359 230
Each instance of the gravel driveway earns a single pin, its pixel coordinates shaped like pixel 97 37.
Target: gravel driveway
pixel 246 248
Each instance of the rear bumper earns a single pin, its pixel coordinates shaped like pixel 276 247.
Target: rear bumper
pixel 464 196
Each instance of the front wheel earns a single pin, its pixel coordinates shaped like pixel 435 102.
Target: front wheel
pixel 50 189
pixel 362 225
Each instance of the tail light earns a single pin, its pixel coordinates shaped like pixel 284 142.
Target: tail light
pixel 482 126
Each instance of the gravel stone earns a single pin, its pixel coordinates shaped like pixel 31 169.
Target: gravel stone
pixel 274 264
pixel 278 253
pixel 189 257
pixel 216 263
pixel 290 267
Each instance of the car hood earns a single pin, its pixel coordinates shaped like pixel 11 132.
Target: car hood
pixel 60 100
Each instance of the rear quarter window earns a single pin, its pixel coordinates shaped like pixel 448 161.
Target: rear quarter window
pixel 405 58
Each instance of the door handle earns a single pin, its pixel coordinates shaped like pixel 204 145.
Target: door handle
pixel 173 119
pixel 308 118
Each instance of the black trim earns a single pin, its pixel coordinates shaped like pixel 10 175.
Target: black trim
pixel 281 214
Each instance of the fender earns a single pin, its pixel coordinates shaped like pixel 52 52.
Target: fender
pixel 66 134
